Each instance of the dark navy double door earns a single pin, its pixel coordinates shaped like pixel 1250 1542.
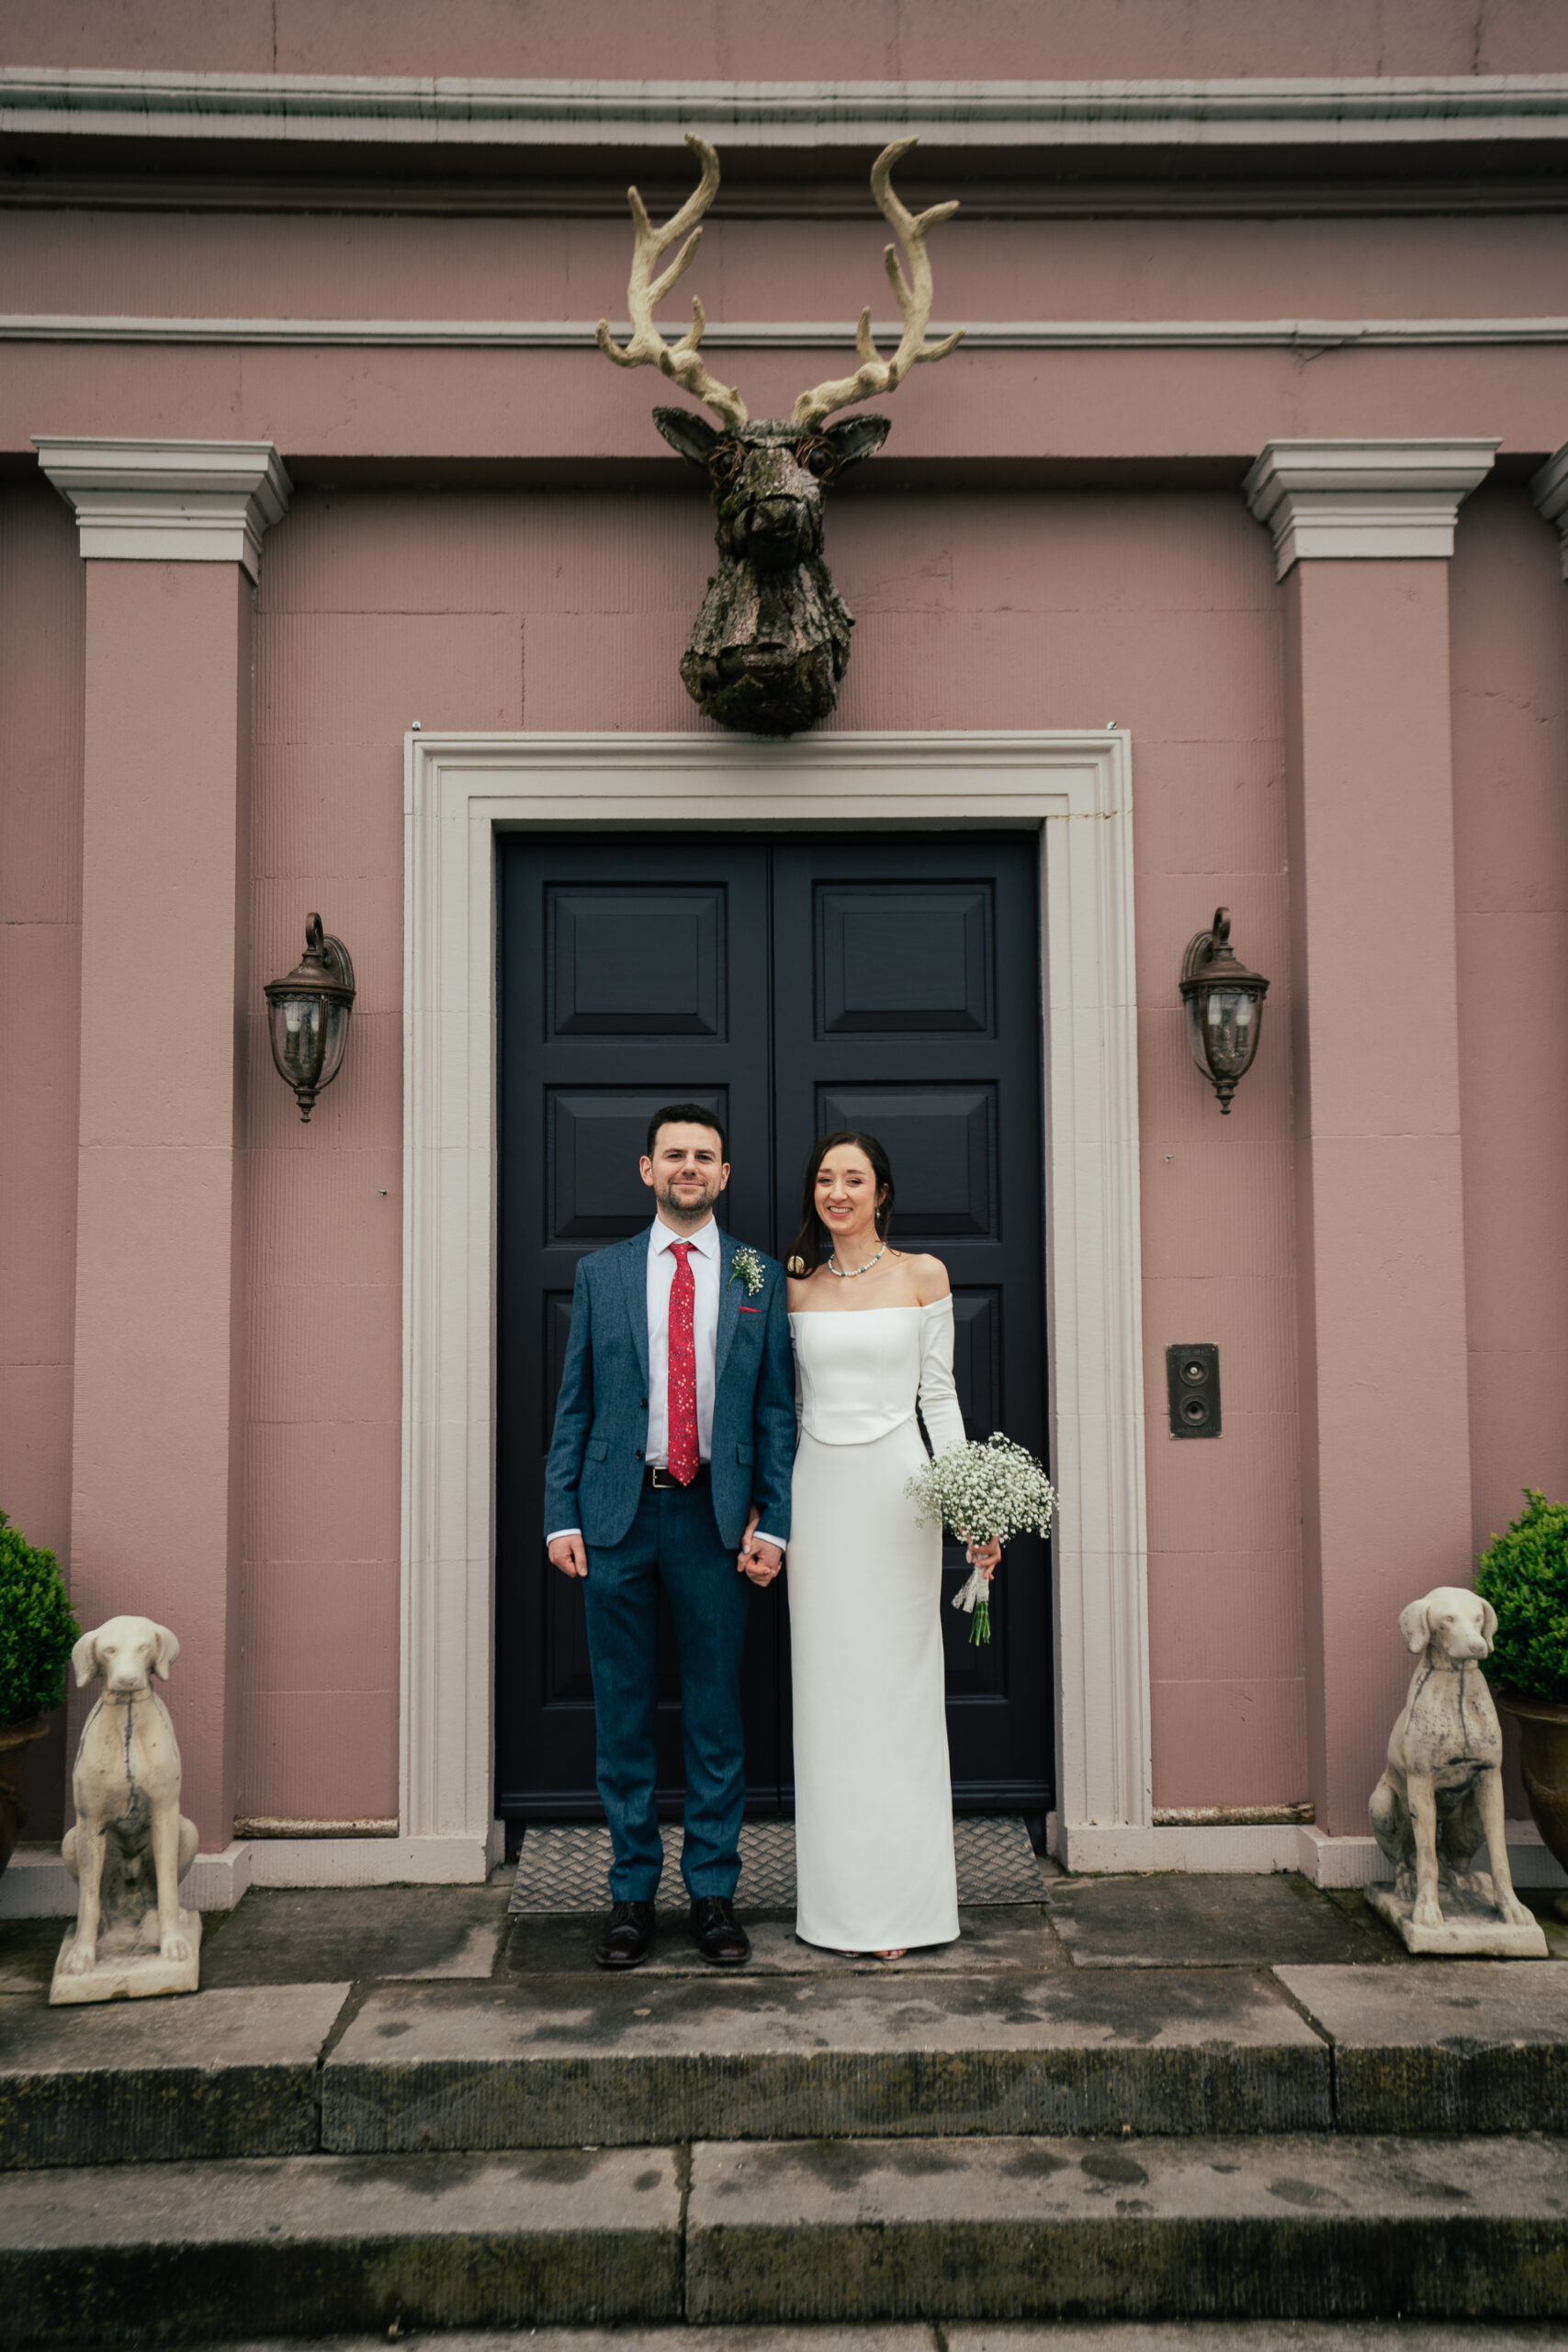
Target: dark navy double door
pixel 796 984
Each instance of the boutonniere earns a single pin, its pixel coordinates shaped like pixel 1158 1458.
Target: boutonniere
pixel 747 1267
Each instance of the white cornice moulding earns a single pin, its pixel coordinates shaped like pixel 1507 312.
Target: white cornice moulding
pixel 1364 498
pixel 792 334
pixel 1343 112
pixel 169 502
pixel 1549 489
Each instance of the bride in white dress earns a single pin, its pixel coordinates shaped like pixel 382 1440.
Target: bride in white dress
pixel 872 1333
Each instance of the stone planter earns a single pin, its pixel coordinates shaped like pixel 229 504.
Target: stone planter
pixel 14 1738
pixel 1543 1759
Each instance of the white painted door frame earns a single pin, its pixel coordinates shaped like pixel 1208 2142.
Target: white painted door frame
pixel 1075 789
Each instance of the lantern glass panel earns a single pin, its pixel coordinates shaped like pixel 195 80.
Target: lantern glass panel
pixel 298 1038
pixel 1230 1019
pixel 336 1039
pixel 1195 1032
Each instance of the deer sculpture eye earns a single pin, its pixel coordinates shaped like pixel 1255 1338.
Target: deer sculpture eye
pixel 725 464
pixel 818 458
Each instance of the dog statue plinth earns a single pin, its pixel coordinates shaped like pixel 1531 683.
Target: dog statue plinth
pixel 131 1844
pixel 1442 1794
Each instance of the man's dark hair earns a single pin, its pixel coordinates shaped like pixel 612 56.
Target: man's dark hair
pixel 688 1114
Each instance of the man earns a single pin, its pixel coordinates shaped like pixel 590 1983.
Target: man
pixel 671 1465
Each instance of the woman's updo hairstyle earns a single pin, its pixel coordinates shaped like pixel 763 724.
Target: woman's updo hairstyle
pixel 808 1252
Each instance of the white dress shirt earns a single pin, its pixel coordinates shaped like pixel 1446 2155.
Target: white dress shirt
pixel 707 1265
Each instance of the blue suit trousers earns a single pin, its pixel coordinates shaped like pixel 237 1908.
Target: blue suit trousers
pixel 673 1542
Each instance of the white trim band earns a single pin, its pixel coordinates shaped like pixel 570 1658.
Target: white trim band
pixel 792 334
pixel 1364 499
pixel 1308 110
pixel 169 502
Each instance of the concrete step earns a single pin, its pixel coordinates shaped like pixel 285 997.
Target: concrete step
pixel 630 2060
pixel 310 2245
pixel 992 2335
pixel 573 2062
pixel 1301 2227
pixel 1293 2226
pixel 221 2073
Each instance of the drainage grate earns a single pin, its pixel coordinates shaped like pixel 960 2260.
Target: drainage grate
pixel 568 1869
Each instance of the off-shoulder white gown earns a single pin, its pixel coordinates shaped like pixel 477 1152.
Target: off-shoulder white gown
pixel 872 1790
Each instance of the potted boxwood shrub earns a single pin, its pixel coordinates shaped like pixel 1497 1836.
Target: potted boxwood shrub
pixel 1524 1575
pixel 37 1631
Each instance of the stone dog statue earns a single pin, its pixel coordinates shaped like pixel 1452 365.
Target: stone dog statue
pixel 1442 1794
pixel 131 1844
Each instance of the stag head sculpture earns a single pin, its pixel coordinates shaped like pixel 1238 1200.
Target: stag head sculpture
pixel 773 639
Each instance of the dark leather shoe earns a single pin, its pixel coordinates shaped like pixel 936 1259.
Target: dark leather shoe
pixel 627 1936
pixel 717 1932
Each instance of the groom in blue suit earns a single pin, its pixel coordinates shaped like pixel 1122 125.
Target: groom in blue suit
pixel 671 1465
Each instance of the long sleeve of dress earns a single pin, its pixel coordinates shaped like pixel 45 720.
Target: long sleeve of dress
pixel 938 1397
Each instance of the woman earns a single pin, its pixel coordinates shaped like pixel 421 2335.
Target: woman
pixel 872 1330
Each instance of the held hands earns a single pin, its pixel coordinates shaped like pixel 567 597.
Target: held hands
pixel 760 1562
pixel 987 1557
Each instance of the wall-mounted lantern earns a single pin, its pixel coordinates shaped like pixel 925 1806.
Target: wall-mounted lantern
pixel 307 1015
pixel 1224 1007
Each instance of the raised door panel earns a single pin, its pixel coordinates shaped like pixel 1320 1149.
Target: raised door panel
pixel 629 961
pixel 896 958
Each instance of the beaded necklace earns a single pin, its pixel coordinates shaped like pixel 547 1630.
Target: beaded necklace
pixel 848 1273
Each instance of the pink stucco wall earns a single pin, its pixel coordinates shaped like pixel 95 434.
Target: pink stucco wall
pixel 42 635
pixel 162 1314
pixel 570 610
pixel 318 263
pixel 826 40
pixel 1509 655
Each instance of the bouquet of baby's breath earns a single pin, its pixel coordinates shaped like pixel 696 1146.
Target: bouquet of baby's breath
pixel 985 1493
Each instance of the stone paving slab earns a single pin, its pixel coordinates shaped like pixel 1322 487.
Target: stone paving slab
pixel 1462 2045
pixel 991 1938
pixel 210 2074
pixel 561 2062
pixel 314 2245
pixel 1211 1921
pixel 303 1935
pixel 1299 2227
pixel 29 1948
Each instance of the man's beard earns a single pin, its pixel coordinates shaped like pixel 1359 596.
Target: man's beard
pixel 679 1210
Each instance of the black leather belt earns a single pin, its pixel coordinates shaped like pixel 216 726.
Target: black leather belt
pixel 662 1483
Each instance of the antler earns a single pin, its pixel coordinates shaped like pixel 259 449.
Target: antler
pixel 681 362
pixel 875 374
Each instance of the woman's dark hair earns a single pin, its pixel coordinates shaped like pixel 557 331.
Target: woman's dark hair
pixel 808 1253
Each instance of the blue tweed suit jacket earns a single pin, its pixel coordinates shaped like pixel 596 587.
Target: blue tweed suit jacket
pixel 594 1474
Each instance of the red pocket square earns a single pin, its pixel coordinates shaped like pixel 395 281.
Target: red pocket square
pixel 751 1310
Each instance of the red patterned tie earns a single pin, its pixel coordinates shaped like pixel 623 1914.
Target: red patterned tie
pixel 683 1456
